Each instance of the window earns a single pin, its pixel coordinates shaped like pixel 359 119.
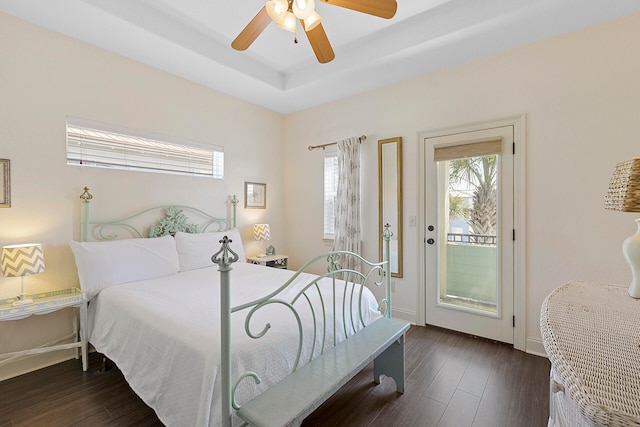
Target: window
pixel 330 191
pixel 103 146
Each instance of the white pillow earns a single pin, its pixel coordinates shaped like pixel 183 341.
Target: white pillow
pixel 195 249
pixel 103 264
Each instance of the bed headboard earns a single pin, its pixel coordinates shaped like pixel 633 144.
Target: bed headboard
pixel 165 220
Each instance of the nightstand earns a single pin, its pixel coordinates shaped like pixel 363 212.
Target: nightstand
pixel 45 303
pixel 275 261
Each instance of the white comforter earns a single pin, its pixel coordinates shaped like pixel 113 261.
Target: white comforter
pixel 164 336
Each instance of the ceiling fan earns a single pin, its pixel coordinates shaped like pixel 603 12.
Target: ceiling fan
pixel 287 12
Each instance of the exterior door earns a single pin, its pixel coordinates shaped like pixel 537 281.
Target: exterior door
pixel 470 227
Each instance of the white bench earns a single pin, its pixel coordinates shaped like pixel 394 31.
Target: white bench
pixel 291 400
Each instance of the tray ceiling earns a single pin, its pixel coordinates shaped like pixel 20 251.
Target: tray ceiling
pixel 191 39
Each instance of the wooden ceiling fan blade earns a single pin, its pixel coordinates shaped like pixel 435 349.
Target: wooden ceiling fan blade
pixel 320 43
pixel 382 8
pixel 253 29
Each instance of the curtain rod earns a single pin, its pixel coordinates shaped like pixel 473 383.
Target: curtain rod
pixel 313 147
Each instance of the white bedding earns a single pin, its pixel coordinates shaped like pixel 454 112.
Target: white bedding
pixel 164 336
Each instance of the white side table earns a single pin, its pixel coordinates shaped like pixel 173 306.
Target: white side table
pixel 45 303
pixel 275 261
pixel 591 335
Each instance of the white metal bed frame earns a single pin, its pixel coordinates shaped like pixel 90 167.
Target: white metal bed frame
pixel 369 273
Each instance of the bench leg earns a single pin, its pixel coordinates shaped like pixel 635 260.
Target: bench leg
pixel 391 364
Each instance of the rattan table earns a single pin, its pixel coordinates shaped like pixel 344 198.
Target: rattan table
pixel 591 333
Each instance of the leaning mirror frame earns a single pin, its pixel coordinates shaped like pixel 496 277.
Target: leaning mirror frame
pixel 390 199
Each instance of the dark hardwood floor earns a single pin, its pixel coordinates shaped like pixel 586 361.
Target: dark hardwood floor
pixel 451 380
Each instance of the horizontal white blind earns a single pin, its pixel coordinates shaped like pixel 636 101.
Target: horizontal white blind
pixel 475 149
pixel 330 192
pixel 102 148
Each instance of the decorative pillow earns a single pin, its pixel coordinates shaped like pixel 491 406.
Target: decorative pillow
pixel 195 250
pixel 104 264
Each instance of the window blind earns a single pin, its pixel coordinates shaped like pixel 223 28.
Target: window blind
pixel 99 147
pixel 475 149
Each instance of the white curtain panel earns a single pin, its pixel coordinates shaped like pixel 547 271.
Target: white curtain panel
pixel 347 219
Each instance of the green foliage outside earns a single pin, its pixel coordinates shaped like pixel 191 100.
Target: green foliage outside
pixel 479 174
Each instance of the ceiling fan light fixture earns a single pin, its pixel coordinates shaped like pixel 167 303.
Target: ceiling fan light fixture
pixel 303 8
pixel 289 22
pixel 287 13
pixel 277 10
pixel 312 21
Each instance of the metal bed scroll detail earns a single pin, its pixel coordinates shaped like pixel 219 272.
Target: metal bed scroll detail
pixel 376 274
pixel 174 220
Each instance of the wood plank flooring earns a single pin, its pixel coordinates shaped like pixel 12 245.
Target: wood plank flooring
pixel 452 379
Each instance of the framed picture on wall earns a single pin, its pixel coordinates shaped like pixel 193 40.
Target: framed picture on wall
pixel 5 184
pixel 255 195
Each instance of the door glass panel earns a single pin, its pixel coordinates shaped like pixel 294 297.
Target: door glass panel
pixel 468 223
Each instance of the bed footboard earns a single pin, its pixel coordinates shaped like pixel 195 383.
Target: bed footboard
pixel 336 316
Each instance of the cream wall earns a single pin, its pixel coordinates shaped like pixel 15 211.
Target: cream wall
pixel 580 93
pixel 43 78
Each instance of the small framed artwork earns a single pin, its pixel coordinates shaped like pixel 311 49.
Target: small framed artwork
pixel 255 195
pixel 5 184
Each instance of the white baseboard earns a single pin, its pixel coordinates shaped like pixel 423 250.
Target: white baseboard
pixel 535 346
pixel 25 364
pixel 407 316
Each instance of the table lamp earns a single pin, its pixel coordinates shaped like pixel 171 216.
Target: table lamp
pixel 624 196
pixel 261 232
pixel 20 261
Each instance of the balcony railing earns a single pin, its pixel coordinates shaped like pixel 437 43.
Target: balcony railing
pixel 472 239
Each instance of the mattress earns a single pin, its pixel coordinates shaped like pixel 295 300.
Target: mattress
pixel 164 335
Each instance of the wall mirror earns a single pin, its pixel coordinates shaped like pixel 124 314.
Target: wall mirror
pixel 390 199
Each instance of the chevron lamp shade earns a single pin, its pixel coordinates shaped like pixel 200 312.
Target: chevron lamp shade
pixel 22 260
pixel 261 232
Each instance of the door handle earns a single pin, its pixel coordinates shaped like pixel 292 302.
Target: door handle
pixel 430 241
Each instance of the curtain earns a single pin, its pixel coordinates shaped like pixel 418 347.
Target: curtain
pixel 347 219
